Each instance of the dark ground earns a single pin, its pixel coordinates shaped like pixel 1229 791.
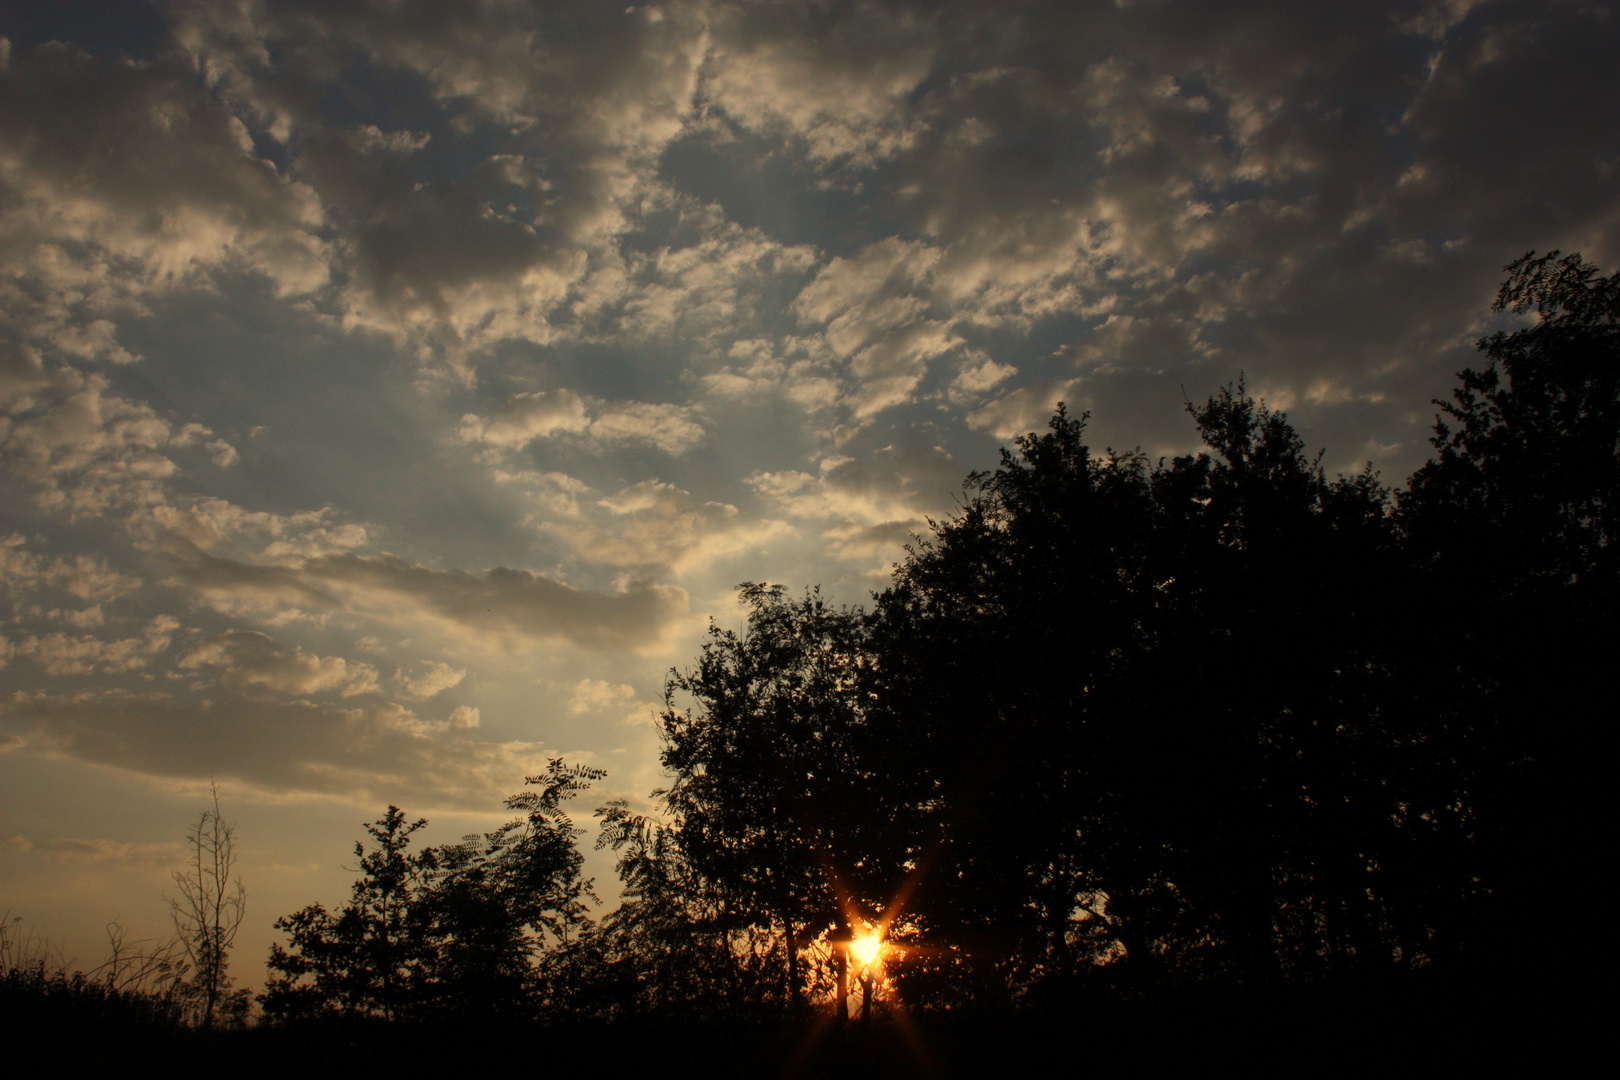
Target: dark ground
pixel 1417 1026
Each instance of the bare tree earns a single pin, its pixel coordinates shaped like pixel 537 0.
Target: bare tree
pixel 142 966
pixel 209 911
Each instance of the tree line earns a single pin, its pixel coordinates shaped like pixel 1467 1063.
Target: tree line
pixel 1115 729
pixel 1116 726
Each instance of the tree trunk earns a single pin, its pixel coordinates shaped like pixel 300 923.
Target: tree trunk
pixel 790 946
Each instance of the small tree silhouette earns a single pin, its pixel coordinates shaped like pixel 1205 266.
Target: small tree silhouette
pixel 208 913
pixel 446 931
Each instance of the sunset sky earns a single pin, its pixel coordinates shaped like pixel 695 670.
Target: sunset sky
pixel 391 392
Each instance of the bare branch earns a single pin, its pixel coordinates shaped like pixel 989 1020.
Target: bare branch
pixel 209 910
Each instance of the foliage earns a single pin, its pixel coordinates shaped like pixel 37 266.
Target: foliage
pixel 770 804
pixel 1224 717
pixel 370 957
pixel 1527 464
pixel 497 903
pixel 1513 527
pixel 1160 715
pixel 676 947
pixel 448 930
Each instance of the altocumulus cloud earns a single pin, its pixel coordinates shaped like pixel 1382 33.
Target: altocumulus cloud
pixel 502 606
pixel 364 753
pixel 526 417
pixel 654 525
pixel 248 661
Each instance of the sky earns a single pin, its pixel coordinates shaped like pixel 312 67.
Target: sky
pixel 391 393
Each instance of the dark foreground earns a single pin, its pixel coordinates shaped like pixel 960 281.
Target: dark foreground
pixel 1296 1032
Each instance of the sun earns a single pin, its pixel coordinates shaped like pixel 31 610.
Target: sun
pixel 866 948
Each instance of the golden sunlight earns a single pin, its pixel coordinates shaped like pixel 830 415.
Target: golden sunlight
pixel 865 949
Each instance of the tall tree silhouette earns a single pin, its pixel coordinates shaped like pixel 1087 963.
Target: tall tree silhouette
pixel 769 799
pixel 1160 675
pixel 1514 525
pixel 1527 463
pixel 992 639
pixel 1219 717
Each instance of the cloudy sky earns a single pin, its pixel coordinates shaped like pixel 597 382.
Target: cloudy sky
pixel 390 392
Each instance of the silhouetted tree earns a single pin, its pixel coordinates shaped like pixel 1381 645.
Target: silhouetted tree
pixel 53 1017
pixel 1145 695
pixel 482 954
pixel 1527 466
pixel 770 801
pixel 499 901
pixel 1246 719
pixel 1145 723
pixel 207 915
pixel 674 948
pixel 452 930
pixel 1513 525
pixel 985 638
pixel 373 956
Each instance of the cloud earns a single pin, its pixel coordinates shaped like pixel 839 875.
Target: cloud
pixel 834 79
pixel 591 695
pixel 61 655
pixel 254 663
pixel 151 855
pixel 670 429
pixel 525 417
pixel 83 619
pixel 231 585
pixel 800 370
pixel 879 320
pixel 365 754
pixel 1025 409
pixel 590 267
pixel 87 577
pixel 903 480
pixel 655 525
pixel 980 375
pixel 440 260
pixel 557 493
pixel 88 451
pixel 598 696
pixel 211 522
pixel 434 680
pixel 129 180
pixel 863 543
pixel 870 506
pixel 846 290
pixel 707 290
pixel 506 607
pixel 22 376
pixel 498 252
